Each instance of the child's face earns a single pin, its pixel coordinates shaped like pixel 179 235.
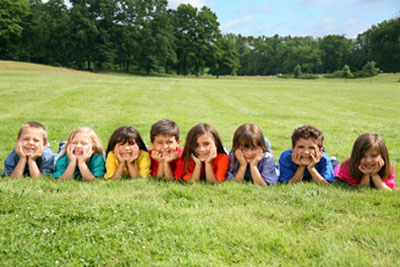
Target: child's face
pixel 370 160
pixel 126 150
pixel 305 148
pixel 165 144
pixel 203 147
pixel 249 153
pixel 31 139
pixel 81 143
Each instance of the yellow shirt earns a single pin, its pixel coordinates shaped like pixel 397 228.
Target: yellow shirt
pixel 142 164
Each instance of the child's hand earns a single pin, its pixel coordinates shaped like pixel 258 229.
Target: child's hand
pixel 296 157
pixel 171 157
pixel 213 154
pixel 157 156
pixel 117 153
pixel 20 150
pixel 196 159
pixel 258 156
pixel 362 170
pixel 134 155
pixel 314 160
pixel 378 167
pixel 70 154
pixel 87 154
pixel 240 158
pixel 38 152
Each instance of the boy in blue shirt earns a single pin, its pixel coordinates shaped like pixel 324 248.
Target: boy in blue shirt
pixel 306 161
pixel 32 155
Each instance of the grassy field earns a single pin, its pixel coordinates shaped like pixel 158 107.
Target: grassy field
pixel 148 222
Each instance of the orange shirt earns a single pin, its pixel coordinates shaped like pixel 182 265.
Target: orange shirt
pixel 220 166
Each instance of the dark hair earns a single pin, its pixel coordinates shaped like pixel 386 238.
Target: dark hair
pixel 33 124
pixel 164 127
pixel 123 135
pixel 307 132
pixel 362 144
pixel 248 135
pixel 191 141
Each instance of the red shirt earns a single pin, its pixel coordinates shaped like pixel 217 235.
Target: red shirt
pixel 176 165
pixel 220 167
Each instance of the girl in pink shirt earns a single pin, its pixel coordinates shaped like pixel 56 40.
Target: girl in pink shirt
pixel 369 164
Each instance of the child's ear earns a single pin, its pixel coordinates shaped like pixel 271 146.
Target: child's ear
pixel 45 143
pixel 179 141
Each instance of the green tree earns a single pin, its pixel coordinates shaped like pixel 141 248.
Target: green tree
pixel 370 70
pixel 346 72
pixel 226 61
pixel 336 51
pixel 297 71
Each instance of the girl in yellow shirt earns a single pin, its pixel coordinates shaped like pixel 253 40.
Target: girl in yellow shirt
pixel 127 155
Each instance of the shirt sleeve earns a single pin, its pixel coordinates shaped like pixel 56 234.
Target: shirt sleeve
pixel 48 162
pixel 111 165
pixel 144 164
pixel 179 169
pixel 268 170
pixel 231 173
pixel 61 166
pixel 325 168
pixel 390 181
pixel 221 168
pixel 286 172
pixel 97 166
pixel 10 163
pixel 189 173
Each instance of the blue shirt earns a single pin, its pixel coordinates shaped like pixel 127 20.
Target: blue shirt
pixel 96 165
pixel 288 168
pixel 45 163
pixel 266 167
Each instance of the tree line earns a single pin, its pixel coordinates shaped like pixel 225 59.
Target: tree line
pixel 145 36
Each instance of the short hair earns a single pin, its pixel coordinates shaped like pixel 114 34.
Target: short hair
pixel 33 124
pixel 307 132
pixel 164 127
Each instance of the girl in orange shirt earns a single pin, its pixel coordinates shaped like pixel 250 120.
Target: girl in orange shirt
pixel 204 156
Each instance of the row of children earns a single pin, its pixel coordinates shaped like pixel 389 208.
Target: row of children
pixel 203 156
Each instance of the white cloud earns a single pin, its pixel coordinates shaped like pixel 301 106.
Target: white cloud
pixel 231 24
pixel 195 3
pixel 327 20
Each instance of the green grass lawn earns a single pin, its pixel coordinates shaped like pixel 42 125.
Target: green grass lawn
pixel 148 222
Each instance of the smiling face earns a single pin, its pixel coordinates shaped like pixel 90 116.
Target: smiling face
pixel 370 160
pixel 81 143
pixel 31 138
pixel 128 149
pixel 203 147
pixel 306 148
pixel 165 144
pixel 249 153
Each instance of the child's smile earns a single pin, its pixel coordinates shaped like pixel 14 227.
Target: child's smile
pixel 165 144
pixel 370 159
pixel 204 145
pixel 81 143
pixel 31 139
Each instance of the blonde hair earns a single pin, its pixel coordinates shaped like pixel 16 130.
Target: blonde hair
pixel 98 148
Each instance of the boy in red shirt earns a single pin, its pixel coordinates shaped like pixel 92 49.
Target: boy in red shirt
pixel 166 155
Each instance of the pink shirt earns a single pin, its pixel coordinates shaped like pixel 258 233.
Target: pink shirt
pixel 342 171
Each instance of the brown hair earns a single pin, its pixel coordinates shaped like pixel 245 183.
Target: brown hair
pixel 307 132
pixel 164 127
pixel 248 135
pixel 191 141
pixel 362 144
pixel 98 148
pixel 33 124
pixel 123 135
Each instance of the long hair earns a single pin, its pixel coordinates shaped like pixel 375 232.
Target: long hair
pixel 98 148
pixel 191 141
pixel 123 135
pixel 362 144
pixel 248 135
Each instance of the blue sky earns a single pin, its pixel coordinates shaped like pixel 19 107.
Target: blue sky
pixel 298 17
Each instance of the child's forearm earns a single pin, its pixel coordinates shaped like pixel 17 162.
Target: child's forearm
pixel 19 169
pixel 316 176
pixel 210 176
pixel 240 173
pixel 33 168
pixel 196 174
pixel 377 180
pixel 132 170
pixel 118 172
pixel 257 178
pixel 365 180
pixel 87 175
pixel 69 172
pixel 160 170
pixel 168 172
pixel 298 175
